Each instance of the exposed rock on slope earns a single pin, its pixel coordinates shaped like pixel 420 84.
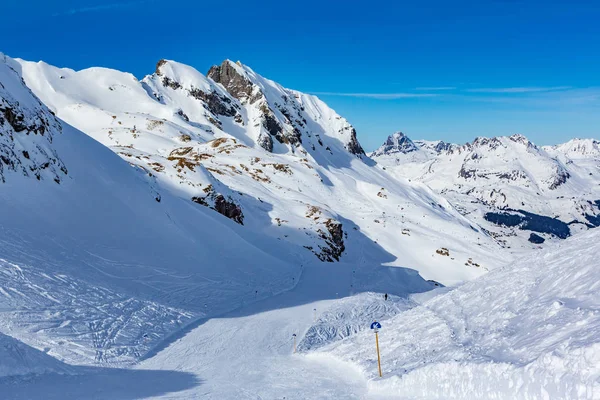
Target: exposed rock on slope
pixel 219 203
pixel 281 112
pixel 26 131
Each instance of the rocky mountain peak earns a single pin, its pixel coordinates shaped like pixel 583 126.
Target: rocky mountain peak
pixel 518 138
pixel 283 116
pixel 234 79
pixel 396 143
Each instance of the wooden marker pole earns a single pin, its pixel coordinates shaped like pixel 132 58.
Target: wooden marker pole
pixel 315 314
pixel 378 356
pixel 376 326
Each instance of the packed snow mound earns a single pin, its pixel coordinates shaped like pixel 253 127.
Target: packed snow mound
pixel 520 193
pixel 17 358
pixel 527 330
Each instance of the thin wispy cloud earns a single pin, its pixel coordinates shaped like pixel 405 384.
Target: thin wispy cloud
pixel 380 96
pixel 564 98
pixel 519 89
pixel 434 88
pixel 102 7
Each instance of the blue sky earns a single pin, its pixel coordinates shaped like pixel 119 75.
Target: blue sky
pixel 438 69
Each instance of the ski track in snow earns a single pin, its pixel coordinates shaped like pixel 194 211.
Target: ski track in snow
pixel 525 331
pixel 248 353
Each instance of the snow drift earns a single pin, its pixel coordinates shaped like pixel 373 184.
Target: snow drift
pixel 527 330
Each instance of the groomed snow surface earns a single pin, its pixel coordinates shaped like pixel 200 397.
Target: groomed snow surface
pixel 529 330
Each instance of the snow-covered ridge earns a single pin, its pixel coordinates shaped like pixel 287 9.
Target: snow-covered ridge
pixel 97 265
pixel 577 149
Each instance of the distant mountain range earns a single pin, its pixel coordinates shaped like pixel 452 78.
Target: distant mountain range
pixel 512 188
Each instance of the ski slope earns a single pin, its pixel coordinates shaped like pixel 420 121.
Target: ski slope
pixel 248 353
pixel 526 331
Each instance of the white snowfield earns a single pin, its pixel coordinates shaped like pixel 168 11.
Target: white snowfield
pixel 530 330
pixel 166 238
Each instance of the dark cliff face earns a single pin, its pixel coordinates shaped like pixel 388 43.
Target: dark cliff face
pixel 26 133
pixel 283 117
pixel 353 145
pixel 217 104
pixel 396 143
pixel 224 206
pixel 241 88
pixel 236 85
pixel 334 238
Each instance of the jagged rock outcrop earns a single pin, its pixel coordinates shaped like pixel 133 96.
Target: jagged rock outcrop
pixel 536 239
pixel 217 103
pixel 334 238
pixel 234 81
pixel 353 145
pixel 396 143
pixel 224 206
pixel 288 117
pixel 26 131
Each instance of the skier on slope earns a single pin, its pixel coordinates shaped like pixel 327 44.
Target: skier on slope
pixel 385 297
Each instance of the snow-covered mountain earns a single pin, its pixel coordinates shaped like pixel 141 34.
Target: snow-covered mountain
pixel 131 208
pixel 93 267
pixel 278 161
pixel 577 149
pixel 516 190
pixel 21 114
pixel 192 230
